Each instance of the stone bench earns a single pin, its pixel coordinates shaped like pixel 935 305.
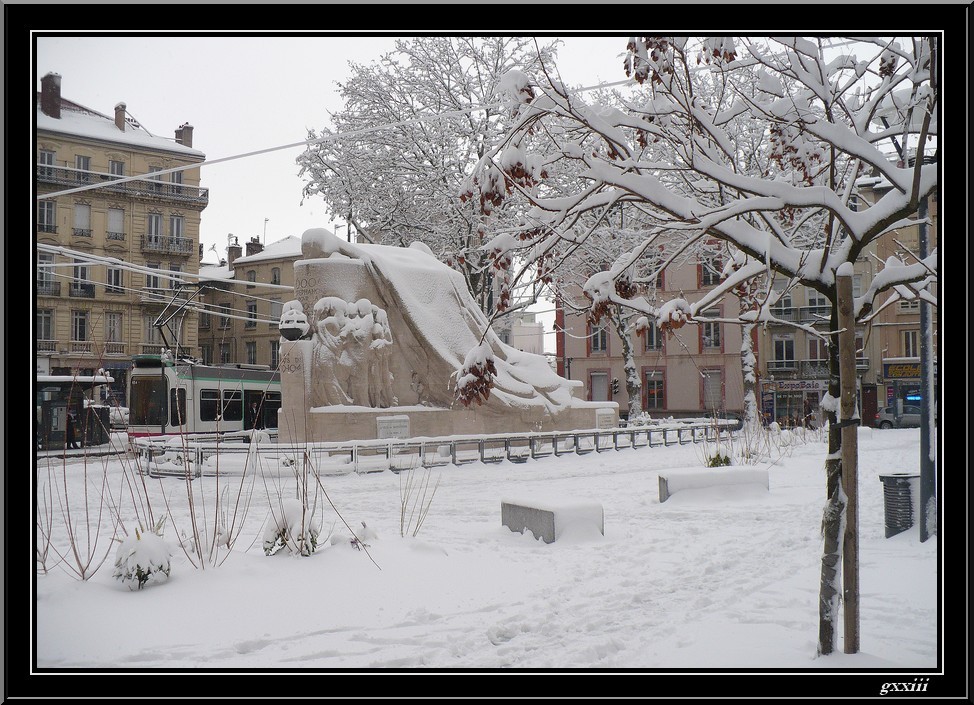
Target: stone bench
pixel 711 477
pixel 548 518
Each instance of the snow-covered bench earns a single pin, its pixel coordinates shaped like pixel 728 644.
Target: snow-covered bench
pixel 703 478
pixel 548 518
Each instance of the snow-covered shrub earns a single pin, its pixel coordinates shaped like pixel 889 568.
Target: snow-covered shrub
pixel 293 526
pixel 143 557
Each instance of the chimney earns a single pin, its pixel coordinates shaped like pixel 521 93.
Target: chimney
pixel 254 246
pixel 184 135
pixel 120 116
pixel 51 95
pixel 233 250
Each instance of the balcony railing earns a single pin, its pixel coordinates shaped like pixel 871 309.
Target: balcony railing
pixel 147 188
pixel 862 363
pixel 46 346
pixel 154 294
pixel 815 314
pixel 47 228
pixel 814 369
pixel 48 288
pixel 81 232
pixel 81 346
pixel 115 236
pixel 782 365
pixel 81 290
pixel 152 349
pixel 114 348
pixel 169 245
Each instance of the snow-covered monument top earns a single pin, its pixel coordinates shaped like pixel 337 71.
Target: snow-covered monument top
pixel 377 340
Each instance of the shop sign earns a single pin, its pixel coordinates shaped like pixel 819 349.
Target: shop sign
pixel 800 385
pixel 901 370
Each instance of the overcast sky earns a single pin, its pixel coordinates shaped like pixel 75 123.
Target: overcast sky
pixel 245 94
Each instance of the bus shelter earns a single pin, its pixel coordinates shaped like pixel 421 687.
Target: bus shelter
pixel 57 396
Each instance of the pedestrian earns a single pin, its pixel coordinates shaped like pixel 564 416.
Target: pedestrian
pixel 255 416
pixel 72 431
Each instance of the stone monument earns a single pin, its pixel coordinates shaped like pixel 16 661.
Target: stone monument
pixel 374 346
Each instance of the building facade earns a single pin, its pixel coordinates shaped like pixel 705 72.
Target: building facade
pixel 692 372
pixel 91 313
pixel 243 299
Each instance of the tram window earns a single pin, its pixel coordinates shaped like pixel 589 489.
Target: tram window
pixel 232 405
pixel 272 402
pixel 177 407
pixel 209 404
pixel 148 394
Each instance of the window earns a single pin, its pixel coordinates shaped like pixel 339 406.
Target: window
pixel 275 353
pixel 784 353
pixel 818 350
pixel 153 229
pixel 204 320
pixel 155 179
pixel 206 352
pixel 113 327
pixel 598 338
pixel 817 298
pixel 80 273
pixel 598 384
pixel 45 324
pixel 713 394
pixel 232 405
pixel 652 338
pixel 45 271
pixel 251 314
pixel 116 168
pixel 251 352
pixel 115 229
pixel 177 406
pixel 46 222
pixel 784 301
pixel 79 326
pixel 224 318
pixel 82 219
pixel 209 403
pixel 176 223
pixel 276 310
pixel 911 343
pixel 857 285
pixel 709 334
pixel 276 275
pixel 152 334
pixel 177 182
pixel 152 280
pixel 175 269
pixel 710 270
pixel 113 280
pixel 251 277
pixel 908 306
pixel 83 165
pixel 224 353
pixel 652 390
pixel 45 163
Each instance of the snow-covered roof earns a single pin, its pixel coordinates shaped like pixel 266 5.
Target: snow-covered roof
pixel 280 249
pixel 216 273
pixel 79 121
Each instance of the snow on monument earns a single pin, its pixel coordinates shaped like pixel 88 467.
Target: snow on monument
pixel 375 344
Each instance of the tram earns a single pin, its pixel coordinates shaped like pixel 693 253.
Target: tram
pixel 171 397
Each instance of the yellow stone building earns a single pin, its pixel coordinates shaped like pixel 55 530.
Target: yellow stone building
pixel 117 222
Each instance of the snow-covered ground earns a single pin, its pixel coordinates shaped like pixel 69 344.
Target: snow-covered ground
pixel 724 577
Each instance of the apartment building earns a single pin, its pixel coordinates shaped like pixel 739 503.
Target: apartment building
pixel 695 371
pixel 897 326
pixel 243 298
pixel 89 313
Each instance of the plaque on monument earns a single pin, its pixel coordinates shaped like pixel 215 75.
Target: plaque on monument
pixel 605 419
pixel 392 426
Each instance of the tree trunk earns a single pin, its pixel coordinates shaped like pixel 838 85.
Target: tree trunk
pixel 748 365
pixel 633 384
pixel 828 601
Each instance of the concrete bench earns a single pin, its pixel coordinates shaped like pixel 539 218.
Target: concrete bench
pixel 547 519
pixel 710 477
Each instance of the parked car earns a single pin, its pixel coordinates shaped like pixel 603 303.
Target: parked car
pixel 910 418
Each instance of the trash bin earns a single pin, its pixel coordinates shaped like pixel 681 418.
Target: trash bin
pixel 901 501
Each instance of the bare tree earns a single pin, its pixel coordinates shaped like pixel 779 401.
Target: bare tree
pixel 823 113
pixel 413 127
